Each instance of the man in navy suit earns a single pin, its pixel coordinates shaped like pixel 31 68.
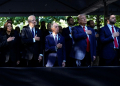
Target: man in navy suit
pixel 84 48
pixel 110 41
pixel 67 34
pixel 31 38
pixel 55 47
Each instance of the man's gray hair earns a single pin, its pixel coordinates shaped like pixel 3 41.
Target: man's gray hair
pixel 29 18
pixel 52 24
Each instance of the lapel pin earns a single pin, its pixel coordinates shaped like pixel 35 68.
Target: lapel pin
pixel 117 30
pixel 59 37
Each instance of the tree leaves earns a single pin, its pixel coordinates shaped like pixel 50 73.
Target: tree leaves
pixel 49 19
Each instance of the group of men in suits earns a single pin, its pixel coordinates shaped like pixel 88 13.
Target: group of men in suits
pixel 74 47
pixel 81 42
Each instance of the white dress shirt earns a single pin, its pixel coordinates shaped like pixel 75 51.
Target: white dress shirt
pixel 110 28
pixel 70 29
pixel 54 36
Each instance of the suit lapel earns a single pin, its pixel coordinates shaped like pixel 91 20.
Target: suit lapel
pixel 107 30
pixel 80 29
pixel 59 38
pixel 68 30
pixel 89 35
pixel 52 39
pixel 29 32
pixel 36 31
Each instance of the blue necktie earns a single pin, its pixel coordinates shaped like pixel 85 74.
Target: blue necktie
pixel 32 33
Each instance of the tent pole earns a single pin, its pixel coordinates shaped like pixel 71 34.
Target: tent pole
pixel 105 11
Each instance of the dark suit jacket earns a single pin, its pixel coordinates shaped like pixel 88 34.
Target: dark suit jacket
pixel 50 48
pixel 9 47
pixel 68 40
pixel 80 45
pixel 31 48
pixel 107 46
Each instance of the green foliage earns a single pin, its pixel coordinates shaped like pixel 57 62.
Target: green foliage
pixel 49 19
pixel 15 20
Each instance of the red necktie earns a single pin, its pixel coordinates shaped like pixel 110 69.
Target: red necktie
pixel 115 40
pixel 88 42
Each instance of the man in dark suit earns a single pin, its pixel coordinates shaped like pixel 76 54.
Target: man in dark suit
pixel 55 46
pixel 67 34
pixel 31 38
pixel 110 41
pixel 84 48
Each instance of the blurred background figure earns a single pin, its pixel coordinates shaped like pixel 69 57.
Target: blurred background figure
pixel 67 34
pixel 18 30
pixel 37 26
pixel 9 21
pixel 60 30
pixel 1 30
pixel 47 32
pixel 91 24
pixel 43 27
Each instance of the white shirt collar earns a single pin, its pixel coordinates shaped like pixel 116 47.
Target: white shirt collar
pixel 31 28
pixel 54 34
pixel 70 27
pixel 110 25
pixel 84 26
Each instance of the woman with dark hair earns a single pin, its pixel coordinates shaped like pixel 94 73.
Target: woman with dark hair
pixel 9 46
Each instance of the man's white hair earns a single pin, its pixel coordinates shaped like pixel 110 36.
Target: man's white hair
pixel 29 18
pixel 53 24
